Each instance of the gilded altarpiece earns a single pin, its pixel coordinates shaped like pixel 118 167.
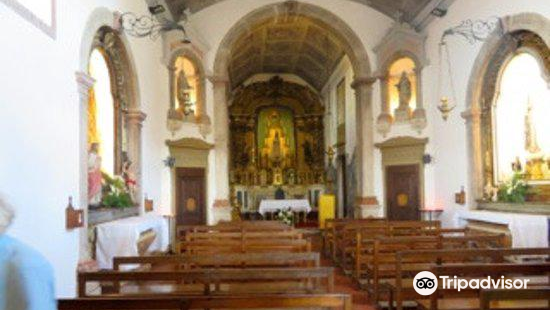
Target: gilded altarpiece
pixel 277 141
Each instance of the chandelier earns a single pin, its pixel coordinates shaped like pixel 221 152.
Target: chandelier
pixel 151 26
pixel 473 32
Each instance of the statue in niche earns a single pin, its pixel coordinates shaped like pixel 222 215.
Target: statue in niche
pixel 531 143
pixel 276 151
pixel 94 176
pixel 534 165
pixel 129 179
pixel 405 91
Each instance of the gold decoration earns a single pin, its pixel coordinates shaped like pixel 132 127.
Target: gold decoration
pixel 191 204
pixel 402 200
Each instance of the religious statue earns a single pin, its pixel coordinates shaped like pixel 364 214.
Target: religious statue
pixel 404 89
pixel 94 176
pixel 183 93
pixel 534 165
pixel 276 151
pixel 129 179
pixel 516 165
pixel 531 143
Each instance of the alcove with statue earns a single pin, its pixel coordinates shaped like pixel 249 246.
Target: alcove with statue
pixel 277 147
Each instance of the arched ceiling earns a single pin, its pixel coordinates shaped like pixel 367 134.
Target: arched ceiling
pixel 286 44
pixel 404 10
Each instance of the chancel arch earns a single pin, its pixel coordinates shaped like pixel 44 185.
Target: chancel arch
pixel 496 96
pixel 323 39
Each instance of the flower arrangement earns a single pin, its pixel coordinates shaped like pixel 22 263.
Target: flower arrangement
pixel 115 192
pixel 286 216
pixel 514 190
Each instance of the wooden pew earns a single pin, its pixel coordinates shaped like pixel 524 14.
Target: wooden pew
pixel 279 301
pixel 334 233
pixel 183 230
pixel 213 281
pixel 224 260
pixel 351 234
pixel 243 246
pixel 452 299
pixel 377 264
pixel 409 263
pixel 491 296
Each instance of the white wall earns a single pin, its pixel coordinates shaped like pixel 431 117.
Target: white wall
pixel 448 139
pixel 39 121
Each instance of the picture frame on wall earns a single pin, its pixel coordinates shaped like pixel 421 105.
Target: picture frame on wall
pixel 41 14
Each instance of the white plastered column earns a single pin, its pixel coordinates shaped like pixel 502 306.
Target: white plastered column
pixel 366 203
pixel 221 208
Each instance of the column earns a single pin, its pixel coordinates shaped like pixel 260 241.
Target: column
pixel 475 155
pixel 385 119
pixel 221 208
pixel 134 121
pixel 84 83
pixel 366 203
pixel 419 120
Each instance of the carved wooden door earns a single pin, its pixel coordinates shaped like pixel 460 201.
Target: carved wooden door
pixel 403 192
pixel 190 196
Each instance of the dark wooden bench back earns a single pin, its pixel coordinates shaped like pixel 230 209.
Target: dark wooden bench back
pixel 278 301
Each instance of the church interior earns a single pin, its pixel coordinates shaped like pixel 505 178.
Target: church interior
pixel 274 154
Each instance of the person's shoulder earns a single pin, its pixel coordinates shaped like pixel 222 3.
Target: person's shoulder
pixel 25 256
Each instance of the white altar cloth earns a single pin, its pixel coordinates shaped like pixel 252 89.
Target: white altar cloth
pixel 119 238
pixel 528 231
pixel 271 205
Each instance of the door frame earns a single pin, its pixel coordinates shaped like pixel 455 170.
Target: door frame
pixel 420 187
pixel 402 151
pixel 190 172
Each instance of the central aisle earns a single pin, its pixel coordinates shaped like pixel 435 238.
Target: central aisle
pixel 342 283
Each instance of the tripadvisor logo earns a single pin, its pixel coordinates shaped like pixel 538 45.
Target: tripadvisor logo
pixel 425 283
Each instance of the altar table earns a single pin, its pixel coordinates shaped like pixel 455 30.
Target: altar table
pixel 120 238
pixel 272 205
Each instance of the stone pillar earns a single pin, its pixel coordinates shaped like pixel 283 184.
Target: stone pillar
pixel 134 121
pixel 221 208
pixel 419 120
pixel 366 203
pixel 475 155
pixel 84 83
pixel 385 119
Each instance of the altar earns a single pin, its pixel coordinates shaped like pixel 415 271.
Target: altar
pixel 121 237
pixel 272 205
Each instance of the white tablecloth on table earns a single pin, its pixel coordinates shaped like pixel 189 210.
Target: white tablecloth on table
pixel 271 205
pixel 119 238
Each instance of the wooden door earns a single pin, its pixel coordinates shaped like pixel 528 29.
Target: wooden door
pixel 190 196
pixel 403 192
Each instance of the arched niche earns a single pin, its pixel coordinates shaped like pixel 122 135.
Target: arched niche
pixel 100 33
pixel 197 81
pixel 402 45
pixel 526 32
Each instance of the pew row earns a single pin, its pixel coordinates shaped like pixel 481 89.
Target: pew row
pixel 492 299
pixel 223 260
pixel 210 281
pixel 469 299
pixel 279 301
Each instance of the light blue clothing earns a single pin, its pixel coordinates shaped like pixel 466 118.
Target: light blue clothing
pixel 26 278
